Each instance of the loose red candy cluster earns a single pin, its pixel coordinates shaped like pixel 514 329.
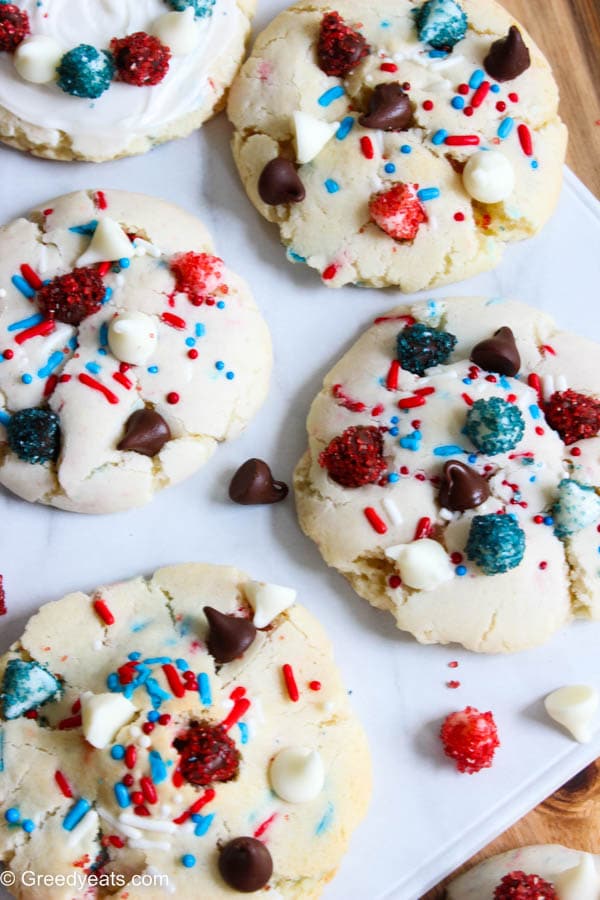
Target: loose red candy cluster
pixel 207 754
pixel 355 457
pixel 398 212
pixel 519 886
pixel 140 58
pixel 2 597
pixel 14 26
pixel 575 416
pixel 340 48
pixel 72 297
pixel 197 274
pixel 471 738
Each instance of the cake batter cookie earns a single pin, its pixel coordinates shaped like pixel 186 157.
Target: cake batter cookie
pixel 360 130
pixel 192 729
pixel 452 474
pixel 543 872
pixel 99 80
pixel 127 351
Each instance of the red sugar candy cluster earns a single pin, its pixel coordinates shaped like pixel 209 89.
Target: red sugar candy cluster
pixel 140 58
pixel 340 47
pixel 72 297
pixel 197 275
pixel 207 753
pixel 519 886
pixel 575 416
pixel 14 26
pixel 398 212
pixel 355 457
pixel 2 597
pixel 471 738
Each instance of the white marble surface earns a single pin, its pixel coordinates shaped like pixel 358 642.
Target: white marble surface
pixel 425 818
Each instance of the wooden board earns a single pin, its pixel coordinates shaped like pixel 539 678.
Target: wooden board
pixel 571 817
pixel 568 32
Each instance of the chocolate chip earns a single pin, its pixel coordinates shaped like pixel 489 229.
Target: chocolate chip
pixel 146 432
pixel 462 487
pixel 498 353
pixel 508 57
pixel 245 864
pixel 280 183
pixel 228 636
pixel 253 483
pixel 389 109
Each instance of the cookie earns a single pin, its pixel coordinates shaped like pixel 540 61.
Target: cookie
pixel 194 731
pixel 452 473
pixel 128 351
pixel 103 80
pixel 360 130
pixel 544 872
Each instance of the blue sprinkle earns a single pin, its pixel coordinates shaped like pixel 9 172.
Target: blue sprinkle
pixel 203 825
pixel 532 479
pixel 28 826
pixel 157 660
pixel 219 365
pixel 447 450
pixel 505 127
pixel 346 126
pixel 461 570
pixel 122 795
pixel 394 420
pixel 153 715
pixel 182 665
pixel 200 329
pixel 204 689
pixel 230 376
pixel 117 752
pixel 26 323
pixel 158 770
pixel 534 163
pixel 394 431
pixel 4 420
pixel 72 343
pixel 458 102
pixel 124 263
pixel 93 367
pixel 476 79
pixel 113 683
pixel 384 24
pixel 411 441
pixel 12 815
pixel 440 136
pixel 107 295
pixel 505 383
pixel 153 370
pixel 221 304
pixel 438 54
pixel 326 820
pixel 472 457
pixel 26 378
pixel 243 732
pixel 548 520
pixel 21 285
pixel 495 89
pixel 430 193
pixel 77 812
pixel 405 148
pixel 332 94
pixel 134 656
pixel 54 361
pixel 390 168
pixel 332 186
pixel 88 228
pixel 534 411
pixel 188 860
pixel 393 477
pixel 295 257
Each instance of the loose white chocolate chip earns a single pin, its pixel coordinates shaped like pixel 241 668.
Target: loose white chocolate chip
pixel 132 337
pixel 109 243
pixel 178 30
pixel 422 564
pixel 489 176
pixel 297 774
pixel 311 136
pixel 36 59
pixel 268 600
pixel 575 708
pixel 103 715
pixel 582 882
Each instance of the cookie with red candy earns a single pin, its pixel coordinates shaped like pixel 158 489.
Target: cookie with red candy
pixel 14 26
pixel 340 48
pixel 575 416
pixel 72 297
pixel 519 886
pixel 355 457
pixel 398 211
pixel 140 58
pixel 470 738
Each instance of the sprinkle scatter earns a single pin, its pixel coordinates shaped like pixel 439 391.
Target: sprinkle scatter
pixel 470 738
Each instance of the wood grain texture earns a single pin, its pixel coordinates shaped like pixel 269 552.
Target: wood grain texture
pixel 571 817
pixel 568 32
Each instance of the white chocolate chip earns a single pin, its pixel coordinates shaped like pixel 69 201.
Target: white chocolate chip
pixel 268 600
pixel 109 243
pixel 489 176
pixel 311 135
pixel 178 30
pixel 422 564
pixel 103 715
pixel 575 708
pixel 132 337
pixel 297 774
pixel 582 882
pixel 36 59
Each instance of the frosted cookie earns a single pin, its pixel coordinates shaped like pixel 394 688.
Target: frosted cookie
pixel 100 80
pixel 453 472
pixel 539 872
pixel 192 728
pixel 360 130
pixel 127 351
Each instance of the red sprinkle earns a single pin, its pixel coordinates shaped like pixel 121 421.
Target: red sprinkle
pixel 63 784
pixel 459 217
pixel 463 89
pixel 411 402
pixel 535 382
pixel 453 684
pixel 543 565
pixel 240 709
pixel 428 105
pixel 148 789
pixel 193 353
pixel 130 756
pixel 480 94
pixel 123 380
pixel 346 401
pixel 314 685
pixel 525 139
pixel 31 277
pixel 468 111
pixel 391 382
pixel 97 386
pixel 500 105
pixel 453 664
pixel 290 683
pixel 50 385
pixel 116 841
pixel 172 676
pixel 374 520
pixel 206 797
pixel 388 67
pixel 173 398
pixel 462 140
pixel 2 597
pixel 173 320
pixel 141 810
pixel 514 98
pixel 470 738
pixel 423 529
pixel 329 272
pixel 264 825
pixel 576 451
pixel 546 348
pixel 127 780
pixel 468 400
pixel 394 581
pixel 69 723
pixel 377 410
pixel 366 146
pixel 104 612
pixel 100 200
pixel 42 329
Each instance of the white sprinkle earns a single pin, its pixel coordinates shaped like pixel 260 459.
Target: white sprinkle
pixel 547 386
pixel 120 280
pixel 87 824
pixel 145 741
pixel 165 826
pixel 135 731
pixel 166 809
pixel 98 645
pixel 451 60
pixel 561 383
pixel 446 514
pixel 2 293
pixel 142 844
pixel 392 510
pixel 118 826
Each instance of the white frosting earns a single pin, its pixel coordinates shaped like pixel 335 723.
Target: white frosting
pixel 123 111
pixel 423 564
pixel 108 244
pixel 179 31
pixel 489 176
pixel 575 708
pixel 103 715
pixel 297 774
pixel 37 58
pixel 311 135
pixel 268 600
pixel 582 882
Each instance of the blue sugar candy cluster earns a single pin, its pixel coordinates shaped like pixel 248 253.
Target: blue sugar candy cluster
pixel 25 686
pixel 202 8
pixel 420 347
pixel 441 23
pixel 34 435
pixel 576 507
pixel 494 425
pixel 85 71
pixel 496 543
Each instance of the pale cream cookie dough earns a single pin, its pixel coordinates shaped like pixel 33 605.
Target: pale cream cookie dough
pixel 453 471
pixel 547 872
pixel 149 724
pixel 128 351
pixel 353 139
pixel 62 102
